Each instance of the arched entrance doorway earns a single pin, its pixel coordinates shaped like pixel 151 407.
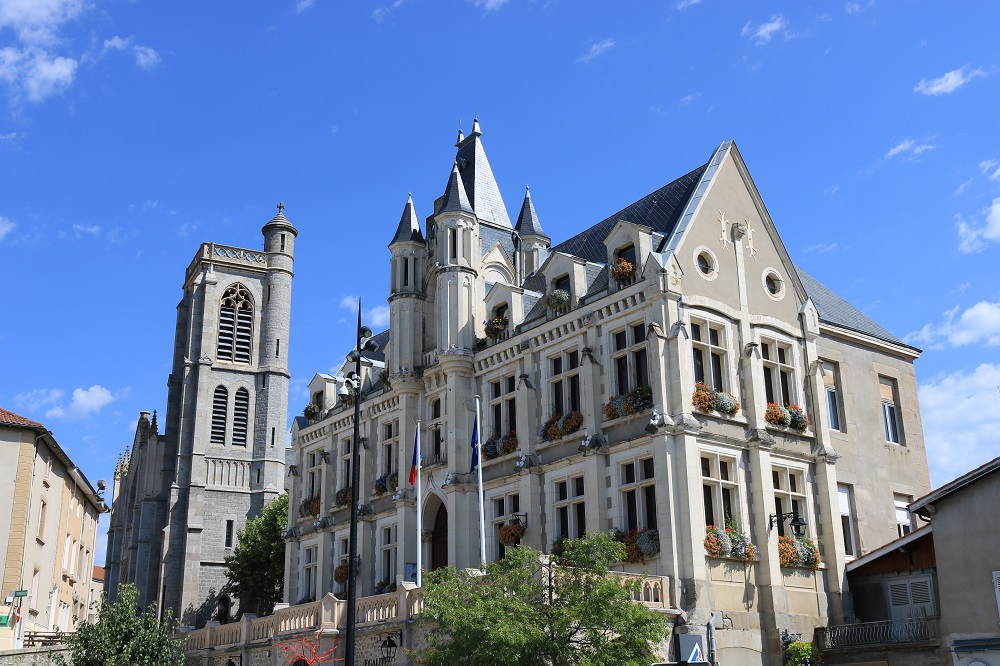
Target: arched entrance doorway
pixel 439 539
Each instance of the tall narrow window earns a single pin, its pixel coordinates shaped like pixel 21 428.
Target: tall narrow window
pixel 789 493
pixel 435 454
pixel 241 413
pixel 229 534
pixel 721 489
pixel 638 494
pixel 847 521
pixel 629 358
pixel 282 242
pixel 570 508
pixel 406 271
pixel 833 402
pixel 901 504
pixel 504 508
pixel 708 347
pixel 40 532
pixel 235 324
pixel 890 410
pixel 389 554
pixel 778 371
pixel 220 406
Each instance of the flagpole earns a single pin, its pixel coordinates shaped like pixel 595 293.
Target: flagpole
pixel 420 522
pixel 482 508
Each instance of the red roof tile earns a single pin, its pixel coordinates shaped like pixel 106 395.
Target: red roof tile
pixel 10 418
pixel 98 573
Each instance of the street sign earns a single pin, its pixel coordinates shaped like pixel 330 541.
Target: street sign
pixel 20 593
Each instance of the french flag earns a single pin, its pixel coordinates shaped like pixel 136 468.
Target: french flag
pixel 415 465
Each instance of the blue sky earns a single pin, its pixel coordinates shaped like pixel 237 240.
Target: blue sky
pixel 132 131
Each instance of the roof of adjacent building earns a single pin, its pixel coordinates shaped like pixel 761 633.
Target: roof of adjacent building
pixel 835 310
pixel 920 504
pixel 11 419
pixel 98 573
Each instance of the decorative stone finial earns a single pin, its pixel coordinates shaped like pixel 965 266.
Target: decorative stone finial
pixel 281 207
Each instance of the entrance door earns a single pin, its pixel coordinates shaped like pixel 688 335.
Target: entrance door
pixel 439 539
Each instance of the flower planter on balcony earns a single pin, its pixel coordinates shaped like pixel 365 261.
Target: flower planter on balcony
pixel 637 400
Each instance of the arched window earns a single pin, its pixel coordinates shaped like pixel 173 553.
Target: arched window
pixel 627 253
pixel 241 413
pixel 501 311
pixel 235 324
pixel 220 406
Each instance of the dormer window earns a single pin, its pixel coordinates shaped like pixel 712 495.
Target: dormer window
pixel 561 283
pixel 627 253
pixel 501 311
pixel 318 399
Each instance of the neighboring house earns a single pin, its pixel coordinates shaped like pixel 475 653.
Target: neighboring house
pixel 48 531
pixel 586 356
pixel 181 497
pixel 933 595
pixel 96 589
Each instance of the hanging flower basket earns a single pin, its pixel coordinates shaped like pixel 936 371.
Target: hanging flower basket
pixel 511 534
pixel 343 497
pixel 777 415
pixel 623 269
pixel 637 400
pixel 311 411
pixel 558 299
pixel 496 327
pixel 341 573
pixel 797 418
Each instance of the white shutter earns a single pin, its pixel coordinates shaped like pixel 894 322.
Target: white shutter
pixel 899 600
pixel 911 597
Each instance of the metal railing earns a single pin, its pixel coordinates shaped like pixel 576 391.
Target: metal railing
pixel 888 632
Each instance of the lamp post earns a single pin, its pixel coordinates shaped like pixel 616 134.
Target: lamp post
pixel 364 343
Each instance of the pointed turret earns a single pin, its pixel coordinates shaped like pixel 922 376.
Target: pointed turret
pixel 527 221
pixel 455 199
pixel 480 184
pixel 409 227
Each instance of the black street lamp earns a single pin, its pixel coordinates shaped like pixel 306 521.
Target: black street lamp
pixel 389 647
pixel 797 522
pixel 364 343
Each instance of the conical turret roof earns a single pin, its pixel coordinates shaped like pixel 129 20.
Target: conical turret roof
pixel 527 221
pixel 455 198
pixel 409 227
pixel 480 184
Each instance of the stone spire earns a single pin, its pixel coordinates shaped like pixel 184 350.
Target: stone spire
pixel 527 221
pixel 409 226
pixel 455 198
pixel 480 184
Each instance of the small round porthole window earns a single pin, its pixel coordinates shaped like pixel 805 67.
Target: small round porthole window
pixel 705 261
pixel 774 285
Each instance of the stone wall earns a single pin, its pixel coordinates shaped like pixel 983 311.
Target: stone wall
pixel 32 656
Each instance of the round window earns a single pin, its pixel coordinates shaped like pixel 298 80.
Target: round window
pixel 705 263
pixel 774 284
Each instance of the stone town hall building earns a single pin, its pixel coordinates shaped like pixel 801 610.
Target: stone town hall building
pixel 712 297
pixel 181 496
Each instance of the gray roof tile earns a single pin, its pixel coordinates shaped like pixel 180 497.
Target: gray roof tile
pixel 490 236
pixel 527 220
pixel 480 184
pixel 409 226
pixel 455 198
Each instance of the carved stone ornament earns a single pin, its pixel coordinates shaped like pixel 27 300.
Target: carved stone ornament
pixel 725 229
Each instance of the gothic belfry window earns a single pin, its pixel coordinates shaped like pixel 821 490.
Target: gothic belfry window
pixel 235 324
pixel 220 404
pixel 241 412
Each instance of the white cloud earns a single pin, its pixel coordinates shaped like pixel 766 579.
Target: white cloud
pixel 303 5
pixel 986 166
pixel 974 237
pixel 80 229
pixel 38 398
pixel 858 7
pixel 949 82
pixel 687 99
pixel 490 5
pixel 382 13
pixel 958 445
pixel 822 247
pixel 6 226
pixel 597 49
pixel 150 203
pixel 684 4
pixel 146 57
pixel 962 187
pixel 979 324
pixel 83 403
pixel 762 33
pixel 117 43
pixel 30 67
pixel 909 148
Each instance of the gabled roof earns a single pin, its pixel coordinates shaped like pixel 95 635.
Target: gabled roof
pixel 455 198
pixel 527 220
pixel 659 211
pixel 409 226
pixel 835 310
pixel 480 184
pixel 12 419
pixel 955 485
pixel 868 558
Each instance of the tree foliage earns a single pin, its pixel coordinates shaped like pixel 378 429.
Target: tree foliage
pixel 122 636
pixel 256 569
pixel 522 611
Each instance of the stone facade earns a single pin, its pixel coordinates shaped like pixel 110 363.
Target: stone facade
pixel 181 496
pixel 587 378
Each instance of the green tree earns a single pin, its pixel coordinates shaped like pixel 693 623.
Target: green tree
pixel 122 636
pixel 256 569
pixel 521 611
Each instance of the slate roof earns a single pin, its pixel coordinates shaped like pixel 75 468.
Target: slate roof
pixel 382 340
pixel 527 219
pixel 490 236
pixel 480 184
pixel 455 197
pixel 659 211
pixel 10 418
pixel 409 226
pixel 835 310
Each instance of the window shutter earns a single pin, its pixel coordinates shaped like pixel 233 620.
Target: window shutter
pixel 220 404
pixel 241 411
pixel 899 600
